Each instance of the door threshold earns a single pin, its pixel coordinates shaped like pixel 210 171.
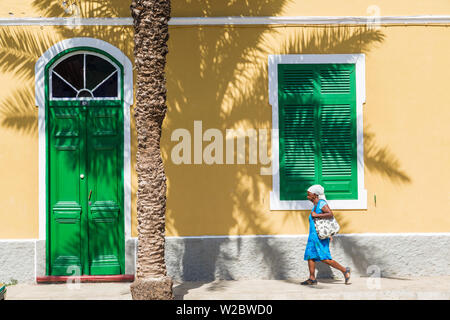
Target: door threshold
pixel 86 278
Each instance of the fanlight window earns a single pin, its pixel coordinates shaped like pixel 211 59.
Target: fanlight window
pixel 84 75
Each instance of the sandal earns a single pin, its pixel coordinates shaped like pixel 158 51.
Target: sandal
pixel 347 271
pixel 309 282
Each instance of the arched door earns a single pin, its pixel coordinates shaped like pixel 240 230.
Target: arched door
pixel 84 121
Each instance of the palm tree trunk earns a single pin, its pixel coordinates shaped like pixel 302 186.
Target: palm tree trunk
pixel 151 19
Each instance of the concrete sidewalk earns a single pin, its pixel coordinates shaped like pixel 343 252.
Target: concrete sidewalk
pixel 327 289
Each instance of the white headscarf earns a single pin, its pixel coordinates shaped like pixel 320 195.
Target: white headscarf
pixel 319 190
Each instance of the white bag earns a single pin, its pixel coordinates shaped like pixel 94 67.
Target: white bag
pixel 327 227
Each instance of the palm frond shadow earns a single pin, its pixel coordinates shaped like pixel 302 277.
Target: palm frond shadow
pixel 334 40
pixel 215 61
pixel 18 111
pixel 237 64
pixel 19 50
pixel 52 8
pixel 241 82
pixel 381 160
pixel 85 9
pixel 21 47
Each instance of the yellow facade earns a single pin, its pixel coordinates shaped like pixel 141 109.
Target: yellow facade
pixel 404 126
pixel 211 8
pixel 21 47
pixel 218 75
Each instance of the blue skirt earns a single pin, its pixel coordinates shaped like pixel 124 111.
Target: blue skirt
pixel 316 249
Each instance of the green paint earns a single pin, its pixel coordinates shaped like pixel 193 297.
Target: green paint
pixel 317 121
pixel 84 160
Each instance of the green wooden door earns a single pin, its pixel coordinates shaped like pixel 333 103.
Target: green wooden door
pixel 84 121
pixel 86 190
pixel 104 167
pixel 66 198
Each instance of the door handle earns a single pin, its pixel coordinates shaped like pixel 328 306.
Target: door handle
pixel 89 199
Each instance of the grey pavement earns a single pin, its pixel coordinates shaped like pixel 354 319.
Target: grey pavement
pixel 361 288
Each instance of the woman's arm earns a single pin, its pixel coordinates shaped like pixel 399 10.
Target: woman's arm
pixel 326 213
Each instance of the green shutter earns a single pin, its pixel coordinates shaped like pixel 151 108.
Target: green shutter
pixel 317 121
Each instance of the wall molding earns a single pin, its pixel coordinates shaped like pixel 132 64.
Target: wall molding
pixel 310 20
pixel 231 20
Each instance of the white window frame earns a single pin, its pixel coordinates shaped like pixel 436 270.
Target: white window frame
pixel 359 61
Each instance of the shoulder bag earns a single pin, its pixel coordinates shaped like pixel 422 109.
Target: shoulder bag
pixel 326 228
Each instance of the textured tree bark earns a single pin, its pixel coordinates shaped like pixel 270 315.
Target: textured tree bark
pixel 151 32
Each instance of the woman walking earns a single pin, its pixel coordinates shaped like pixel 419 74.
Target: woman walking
pixel 316 249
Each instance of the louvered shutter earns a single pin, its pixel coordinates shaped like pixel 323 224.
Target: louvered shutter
pixel 298 129
pixel 337 120
pixel 317 121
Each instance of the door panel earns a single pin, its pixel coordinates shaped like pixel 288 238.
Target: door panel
pixel 66 203
pixel 104 158
pixel 85 165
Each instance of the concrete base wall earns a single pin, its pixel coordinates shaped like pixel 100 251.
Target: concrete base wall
pixel 262 257
pixel 17 260
pixel 281 257
pixel 24 260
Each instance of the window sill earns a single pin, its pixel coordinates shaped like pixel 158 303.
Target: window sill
pixel 277 204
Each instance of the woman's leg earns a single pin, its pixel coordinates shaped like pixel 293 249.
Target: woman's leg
pixel 312 269
pixel 335 265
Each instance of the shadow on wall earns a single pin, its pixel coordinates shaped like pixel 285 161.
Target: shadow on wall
pixel 381 160
pixel 84 9
pixel 186 8
pixel 223 83
pixel 21 47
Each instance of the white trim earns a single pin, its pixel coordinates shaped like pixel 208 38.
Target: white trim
pixel 235 20
pixel 40 102
pixel 359 61
pixel 18 240
pixel 84 74
pixel 310 20
pixel 66 21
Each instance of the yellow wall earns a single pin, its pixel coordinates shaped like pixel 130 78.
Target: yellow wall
pixel 219 75
pixel 196 8
pixel 406 144
pixel 20 47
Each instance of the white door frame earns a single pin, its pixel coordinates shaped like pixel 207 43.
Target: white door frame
pixel 40 102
